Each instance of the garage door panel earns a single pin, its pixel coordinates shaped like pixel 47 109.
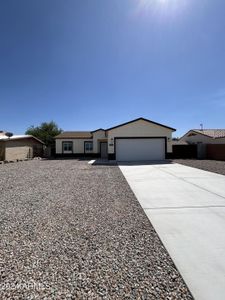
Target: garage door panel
pixel 140 149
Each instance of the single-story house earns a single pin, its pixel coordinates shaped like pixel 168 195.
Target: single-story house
pixel 18 147
pixel 139 139
pixel 204 136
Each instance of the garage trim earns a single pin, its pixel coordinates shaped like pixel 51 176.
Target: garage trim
pixel 139 137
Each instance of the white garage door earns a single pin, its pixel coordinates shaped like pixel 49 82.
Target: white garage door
pixel 140 149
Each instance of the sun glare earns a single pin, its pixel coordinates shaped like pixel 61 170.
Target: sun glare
pixel 166 7
pixel 157 2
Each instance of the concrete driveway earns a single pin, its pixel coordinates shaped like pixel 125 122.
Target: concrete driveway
pixel 187 209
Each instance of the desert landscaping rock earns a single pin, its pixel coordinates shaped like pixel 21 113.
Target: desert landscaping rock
pixel 70 230
pixel 214 166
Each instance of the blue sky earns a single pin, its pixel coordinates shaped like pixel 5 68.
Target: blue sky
pixel 95 63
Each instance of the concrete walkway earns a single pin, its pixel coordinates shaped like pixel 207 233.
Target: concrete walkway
pixel 187 209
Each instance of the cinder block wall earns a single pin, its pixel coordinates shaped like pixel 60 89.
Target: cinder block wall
pixel 20 149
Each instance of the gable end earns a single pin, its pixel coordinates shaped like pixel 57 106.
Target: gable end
pixel 141 119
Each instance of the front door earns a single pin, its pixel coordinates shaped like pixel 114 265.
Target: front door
pixel 104 150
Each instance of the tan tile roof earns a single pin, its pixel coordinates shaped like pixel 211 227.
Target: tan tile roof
pixel 74 135
pixel 213 133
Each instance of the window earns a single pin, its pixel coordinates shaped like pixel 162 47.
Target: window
pixel 67 147
pixel 88 146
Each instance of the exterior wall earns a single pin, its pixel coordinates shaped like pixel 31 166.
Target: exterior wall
pixel 200 138
pixel 97 135
pixel 139 128
pixel 220 141
pixel 78 145
pixel 21 149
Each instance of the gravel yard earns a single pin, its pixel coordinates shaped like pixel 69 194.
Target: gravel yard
pixel 207 165
pixel 74 231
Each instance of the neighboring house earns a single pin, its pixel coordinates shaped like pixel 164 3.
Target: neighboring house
pixel 204 136
pixel 139 139
pixel 19 147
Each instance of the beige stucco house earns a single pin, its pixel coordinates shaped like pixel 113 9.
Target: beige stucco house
pixel 18 147
pixel 204 136
pixel 139 139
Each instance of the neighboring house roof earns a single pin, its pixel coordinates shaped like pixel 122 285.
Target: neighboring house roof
pixel 18 137
pixel 212 133
pixel 74 135
pixel 143 119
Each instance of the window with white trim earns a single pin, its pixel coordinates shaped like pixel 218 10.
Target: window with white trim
pixel 67 147
pixel 88 146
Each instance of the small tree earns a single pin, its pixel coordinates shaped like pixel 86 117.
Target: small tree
pixel 46 133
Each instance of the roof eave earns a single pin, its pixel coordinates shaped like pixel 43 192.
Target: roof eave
pixel 99 129
pixel 22 138
pixel 73 138
pixel 143 119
